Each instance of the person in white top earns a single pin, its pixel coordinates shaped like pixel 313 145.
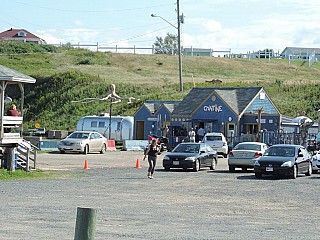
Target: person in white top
pixel 192 135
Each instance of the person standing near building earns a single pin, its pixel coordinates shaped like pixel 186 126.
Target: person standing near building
pixel 152 153
pixel 192 135
pixel 13 111
pixel 200 133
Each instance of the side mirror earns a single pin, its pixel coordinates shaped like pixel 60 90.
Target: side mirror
pixel 300 154
pixel 202 152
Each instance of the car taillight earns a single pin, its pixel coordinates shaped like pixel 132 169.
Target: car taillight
pixel 230 154
pixel 256 155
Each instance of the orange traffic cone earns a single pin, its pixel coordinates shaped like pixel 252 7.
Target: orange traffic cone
pixel 85 165
pixel 137 164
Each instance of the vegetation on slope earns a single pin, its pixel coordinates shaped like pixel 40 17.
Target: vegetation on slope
pixel 67 74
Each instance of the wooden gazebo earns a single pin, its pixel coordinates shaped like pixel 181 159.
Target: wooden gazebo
pixel 11 127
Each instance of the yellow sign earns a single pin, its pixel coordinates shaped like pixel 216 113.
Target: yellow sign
pixel 37 125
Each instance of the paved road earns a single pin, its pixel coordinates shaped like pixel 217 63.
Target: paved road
pixel 175 205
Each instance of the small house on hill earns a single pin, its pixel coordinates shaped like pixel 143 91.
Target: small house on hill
pixel 20 35
pixel 301 53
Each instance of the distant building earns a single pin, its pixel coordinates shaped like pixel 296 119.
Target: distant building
pixel 20 35
pixel 300 53
pixel 197 52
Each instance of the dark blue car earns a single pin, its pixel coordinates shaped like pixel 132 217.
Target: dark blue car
pixel 191 155
pixel 284 160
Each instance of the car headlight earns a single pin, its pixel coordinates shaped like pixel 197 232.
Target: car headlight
pixel 256 163
pixel 190 159
pixel 78 143
pixel 286 164
pixel 166 158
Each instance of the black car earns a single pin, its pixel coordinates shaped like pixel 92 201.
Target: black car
pixel 284 159
pixel 191 155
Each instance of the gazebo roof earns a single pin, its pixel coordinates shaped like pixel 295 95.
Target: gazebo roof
pixel 7 74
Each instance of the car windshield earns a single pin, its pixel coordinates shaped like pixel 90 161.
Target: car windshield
pixel 253 147
pixel 280 151
pixel 213 138
pixel 187 148
pixel 79 135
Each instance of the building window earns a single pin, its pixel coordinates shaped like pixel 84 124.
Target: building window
pixel 22 34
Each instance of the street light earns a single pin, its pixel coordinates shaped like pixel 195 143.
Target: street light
pixel 179 20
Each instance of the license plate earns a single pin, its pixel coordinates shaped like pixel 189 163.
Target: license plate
pixel 176 163
pixel 269 169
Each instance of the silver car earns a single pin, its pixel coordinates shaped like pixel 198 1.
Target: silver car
pixel 316 162
pixel 244 155
pixel 83 142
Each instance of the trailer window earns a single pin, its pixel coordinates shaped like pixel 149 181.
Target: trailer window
pixel 101 124
pixel 93 124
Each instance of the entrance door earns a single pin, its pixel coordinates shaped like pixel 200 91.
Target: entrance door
pixel 139 130
pixel 252 128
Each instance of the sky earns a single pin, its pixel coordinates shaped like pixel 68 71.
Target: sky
pixel 239 25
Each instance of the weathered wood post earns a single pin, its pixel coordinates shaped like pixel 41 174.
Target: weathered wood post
pixel 85 224
pixel 10 158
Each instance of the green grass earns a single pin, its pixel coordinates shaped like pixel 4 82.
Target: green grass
pixel 20 174
pixel 66 74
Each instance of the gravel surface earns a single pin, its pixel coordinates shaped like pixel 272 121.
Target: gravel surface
pixel 174 205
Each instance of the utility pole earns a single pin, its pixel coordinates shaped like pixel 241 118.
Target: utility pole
pixel 179 18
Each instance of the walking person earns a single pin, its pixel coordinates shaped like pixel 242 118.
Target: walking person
pixel 152 152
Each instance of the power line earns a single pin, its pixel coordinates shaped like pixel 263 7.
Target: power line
pixel 91 11
pixel 138 35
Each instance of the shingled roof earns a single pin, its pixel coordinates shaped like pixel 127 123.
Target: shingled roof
pixel 13 34
pixel 7 74
pixel 237 99
pixel 154 106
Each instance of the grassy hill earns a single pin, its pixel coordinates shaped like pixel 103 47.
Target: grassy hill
pixel 67 74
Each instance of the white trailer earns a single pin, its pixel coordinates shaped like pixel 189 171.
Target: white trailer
pixel 121 126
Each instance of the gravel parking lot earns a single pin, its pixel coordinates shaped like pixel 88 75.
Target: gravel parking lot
pixel 174 205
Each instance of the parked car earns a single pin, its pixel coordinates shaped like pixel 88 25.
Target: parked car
pixel 217 141
pixel 316 162
pixel 83 142
pixel 244 155
pixel 285 160
pixel 191 155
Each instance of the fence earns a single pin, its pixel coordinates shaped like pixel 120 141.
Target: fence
pixel 276 137
pixel 186 51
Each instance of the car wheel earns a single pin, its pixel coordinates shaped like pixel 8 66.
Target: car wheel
pixel 225 155
pixel 294 172
pixel 166 168
pixel 258 175
pixel 86 150
pixel 314 171
pixel 61 151
pixel 103 149
pixel 196 167
pixel 232 168
pixel 213 164
pixel 309 172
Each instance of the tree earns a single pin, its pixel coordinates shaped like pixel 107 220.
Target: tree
pixel 168 45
